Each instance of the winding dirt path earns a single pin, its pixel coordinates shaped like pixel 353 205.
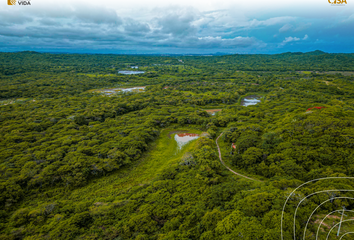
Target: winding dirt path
pixel 238 174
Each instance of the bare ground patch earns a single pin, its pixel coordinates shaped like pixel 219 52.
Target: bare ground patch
pixel 211 111
pixel 173 132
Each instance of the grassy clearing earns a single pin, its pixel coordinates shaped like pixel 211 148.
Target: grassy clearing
pixel 163 153
pixel 97 75
pixel 211 107
pixel 15 100
pixel 117 90
pixel 213 110
pixel 332 220
pixel 344 73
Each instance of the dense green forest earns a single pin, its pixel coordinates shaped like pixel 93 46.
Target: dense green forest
pixel 77 163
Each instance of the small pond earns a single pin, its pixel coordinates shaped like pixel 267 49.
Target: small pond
pixel 132 89
pixel 250 100
pixel 183 138
pixel 131 72
pixel 117 90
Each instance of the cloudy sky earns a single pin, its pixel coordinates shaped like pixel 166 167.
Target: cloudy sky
pixel 179 27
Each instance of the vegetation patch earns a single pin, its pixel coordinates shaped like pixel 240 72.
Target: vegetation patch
pixel 110 91
pixel 213 111
pixel 78 165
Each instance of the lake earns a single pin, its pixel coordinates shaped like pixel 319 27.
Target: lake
pixel 250 100
pixel 131 72
pixel 132 89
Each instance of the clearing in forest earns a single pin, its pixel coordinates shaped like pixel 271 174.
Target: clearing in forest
pixel 331 222
pixel 344 73
pixel 250 100
pixel 164 152
pixel 110 91
pixel 212 111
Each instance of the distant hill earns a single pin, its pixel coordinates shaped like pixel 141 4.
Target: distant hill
pixel 32 52
pixel 317 52
pixel 313 53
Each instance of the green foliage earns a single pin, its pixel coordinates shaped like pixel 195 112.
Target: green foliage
pixel 79 164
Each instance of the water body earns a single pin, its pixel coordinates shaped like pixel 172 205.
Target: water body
pixel 131 72
pixel 132 89
pixel 183 138
pixel 250 100
pixel 116 90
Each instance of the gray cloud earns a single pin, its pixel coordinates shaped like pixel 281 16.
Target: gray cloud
pixel 98 16
pixel 218 42
pixel 302 26
pixel 8 18
pixel 135 28
pixel 179 23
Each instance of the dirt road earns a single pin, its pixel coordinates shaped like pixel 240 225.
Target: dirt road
pixel 238 174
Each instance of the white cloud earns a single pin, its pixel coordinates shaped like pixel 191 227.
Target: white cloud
pixel 271 21
pixel 302 26
pixel 293 39
pixel 242 42
pixel 349 19
pixel 285 28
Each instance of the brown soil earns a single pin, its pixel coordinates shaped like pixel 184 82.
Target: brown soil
pixel 187 134
pixel 212 110
pixel 173 132
pixel 324 224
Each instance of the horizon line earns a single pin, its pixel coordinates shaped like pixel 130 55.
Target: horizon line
pixel 172 54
